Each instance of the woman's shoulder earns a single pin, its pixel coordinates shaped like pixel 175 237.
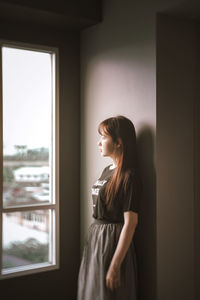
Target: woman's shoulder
pixel 134 177
pixel 133 171
pixel 108 168
pixel 130 173
pixel 106 171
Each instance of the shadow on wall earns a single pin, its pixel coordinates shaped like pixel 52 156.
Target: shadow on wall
pixel 145 237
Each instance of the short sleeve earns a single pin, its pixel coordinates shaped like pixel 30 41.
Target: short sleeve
pixel 131 197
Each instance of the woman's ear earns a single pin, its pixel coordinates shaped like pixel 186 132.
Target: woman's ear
pixel 119 142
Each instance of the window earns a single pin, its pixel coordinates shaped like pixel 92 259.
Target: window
pixel 29 196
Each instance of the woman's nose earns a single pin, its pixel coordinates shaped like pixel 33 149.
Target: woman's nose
pixel 99 143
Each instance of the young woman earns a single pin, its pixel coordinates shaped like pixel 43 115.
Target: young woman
pixel 108 267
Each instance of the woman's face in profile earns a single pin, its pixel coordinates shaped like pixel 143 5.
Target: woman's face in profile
pixel 106 145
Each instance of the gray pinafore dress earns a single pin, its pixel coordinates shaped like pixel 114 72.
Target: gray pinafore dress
pixel 101 242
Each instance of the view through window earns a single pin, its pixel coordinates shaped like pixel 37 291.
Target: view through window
pixel 29 190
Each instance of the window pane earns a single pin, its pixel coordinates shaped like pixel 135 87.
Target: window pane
pixel 26 238
pixel 27 126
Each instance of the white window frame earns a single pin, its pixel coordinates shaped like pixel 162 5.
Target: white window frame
pixel 54 206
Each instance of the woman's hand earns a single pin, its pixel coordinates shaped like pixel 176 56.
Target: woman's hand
pixel 113 278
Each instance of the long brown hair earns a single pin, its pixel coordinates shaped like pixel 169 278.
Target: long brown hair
pixel 122 128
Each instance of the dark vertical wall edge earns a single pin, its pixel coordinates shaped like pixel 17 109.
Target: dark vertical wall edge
pixel 197 171
pixel 176 84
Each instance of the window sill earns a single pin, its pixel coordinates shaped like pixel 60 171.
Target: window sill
pixel 29 269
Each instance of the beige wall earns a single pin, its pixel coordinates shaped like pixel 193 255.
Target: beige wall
pixel 118 76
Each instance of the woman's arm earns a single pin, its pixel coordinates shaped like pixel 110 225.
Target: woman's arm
pixel 126 235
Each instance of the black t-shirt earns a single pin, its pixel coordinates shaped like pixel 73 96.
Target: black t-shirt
pixel 124 201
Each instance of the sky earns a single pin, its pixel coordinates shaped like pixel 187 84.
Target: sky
pixel 26 99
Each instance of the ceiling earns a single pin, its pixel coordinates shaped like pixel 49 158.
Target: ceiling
pixel 60 14
pixel 189 9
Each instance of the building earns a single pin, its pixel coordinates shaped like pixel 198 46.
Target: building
pixel 31 174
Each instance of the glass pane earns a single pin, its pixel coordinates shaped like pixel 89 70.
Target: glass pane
pixel 25 238
pixel 27 126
